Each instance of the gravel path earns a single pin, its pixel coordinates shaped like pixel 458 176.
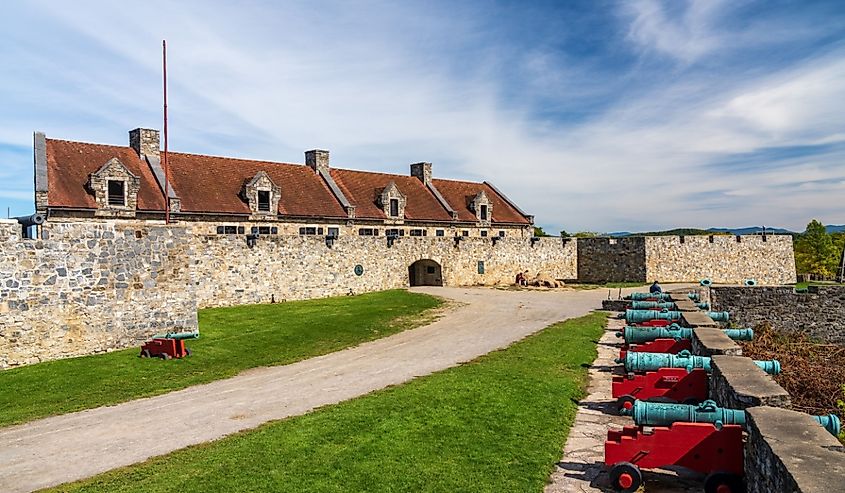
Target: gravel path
pixel 65 448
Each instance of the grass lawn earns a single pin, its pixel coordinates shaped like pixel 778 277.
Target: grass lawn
pixel 232 340
pixel 805 285
pixel 610 285
pixel 497 424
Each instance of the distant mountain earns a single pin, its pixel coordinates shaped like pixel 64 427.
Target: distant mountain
pixel 751 230
pixel 729 231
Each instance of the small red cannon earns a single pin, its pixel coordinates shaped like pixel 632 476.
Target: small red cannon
pixel 167 346
pixel 665 384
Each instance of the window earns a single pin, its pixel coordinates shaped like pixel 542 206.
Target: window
pixel 227 230
pixel 464 233
pixel 440 232
pixel 430 269
pixel 418 232
pixel 116 193
pixel 484 233
pixel 264 200
pixel 274 230
pixel 682 239
pixel 481 267
pixel 483 213
pixel 240 230
pixel 394 232
pixel 710 238
pixel 367 232
pixel 394 207
pixel 264 230
pixel 311 230
pixel 501 234
pixel 738 239
pixel 335 232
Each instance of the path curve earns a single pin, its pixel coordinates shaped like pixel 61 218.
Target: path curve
pixel 56 450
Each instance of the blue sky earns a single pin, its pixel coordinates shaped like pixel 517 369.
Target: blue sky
pixel 592 115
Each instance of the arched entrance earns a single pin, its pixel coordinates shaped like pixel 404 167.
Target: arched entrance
pixel 425 273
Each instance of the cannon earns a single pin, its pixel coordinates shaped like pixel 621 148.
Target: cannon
pixel 27 221
pixel 703 438
pixel 660 305
pixel 169 345
pixel 719 316
pixel 652 305
pixel 649 296
pixel 638 335
pixel 634 316
pixel 664 414
pixel 639 362
pixel 32 220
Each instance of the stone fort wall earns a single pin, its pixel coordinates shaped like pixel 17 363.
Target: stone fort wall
pixel 90 288
pixel 87 287
pixel 721 258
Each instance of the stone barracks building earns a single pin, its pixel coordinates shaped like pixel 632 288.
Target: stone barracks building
pixel 219 195
pixel 105 272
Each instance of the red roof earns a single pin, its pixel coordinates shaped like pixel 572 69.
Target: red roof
pixel 459 194
pixel 70 163
pixel 210 184
pixel 214 184
pixel 362 188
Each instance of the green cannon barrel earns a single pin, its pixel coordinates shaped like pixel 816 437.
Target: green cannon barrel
pixel 703 305
pixel 693 296
pixel 634 316
pixel 830 422
pixel 719 316
pixel 639 335
pixel 649 296
pixel 664 414
pixel 636 361
pixel 178 335
pixel 652 305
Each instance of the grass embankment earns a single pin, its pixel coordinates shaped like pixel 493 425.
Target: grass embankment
pixel 495 424
pixel 232 340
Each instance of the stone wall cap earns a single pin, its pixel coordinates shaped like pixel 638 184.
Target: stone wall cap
pixel 698 319
pixel 747 378
pixel 811 455
pixel 716 342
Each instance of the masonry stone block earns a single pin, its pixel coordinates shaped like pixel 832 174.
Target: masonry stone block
pixel 736 382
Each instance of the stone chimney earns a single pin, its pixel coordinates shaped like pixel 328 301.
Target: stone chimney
pixel 318 160
pixel 422 171
pixel 145 141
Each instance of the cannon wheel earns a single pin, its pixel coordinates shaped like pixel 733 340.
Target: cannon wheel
pixel 145 353
pixel 723 482
pixel 624 402
pixel 625 477
pixel 165 356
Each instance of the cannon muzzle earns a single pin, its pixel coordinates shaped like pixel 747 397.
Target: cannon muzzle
pixel 719 316
pixel 33 220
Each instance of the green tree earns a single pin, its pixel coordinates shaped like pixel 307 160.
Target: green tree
pixel 585 234
pixel 538 231
pixel 564 234
pixel 815 252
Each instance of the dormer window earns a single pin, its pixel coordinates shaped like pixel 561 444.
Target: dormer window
pixel 480 204
pixel 117 193
pixel 392 202
pixel 264 200
pixel 115 190
pixel 262 196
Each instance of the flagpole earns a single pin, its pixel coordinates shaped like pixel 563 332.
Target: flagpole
pixel 164 156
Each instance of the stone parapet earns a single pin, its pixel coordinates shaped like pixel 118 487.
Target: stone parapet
pixel 737 383
pixel 709 341
pixel 697 319
pixel 788 451
pixel 817 312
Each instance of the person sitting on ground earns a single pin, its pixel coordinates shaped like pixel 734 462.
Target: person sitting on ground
pixel 655 288
pixel 520 279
